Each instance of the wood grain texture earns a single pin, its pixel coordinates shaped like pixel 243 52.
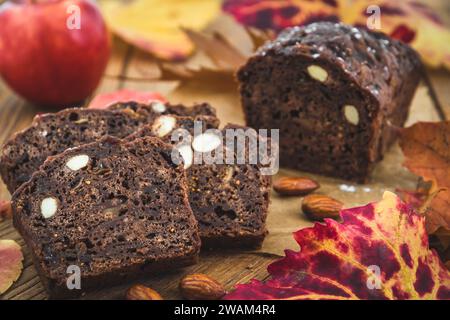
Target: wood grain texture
pixel 284 214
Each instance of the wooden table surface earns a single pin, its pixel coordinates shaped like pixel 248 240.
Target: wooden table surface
pixel 228 267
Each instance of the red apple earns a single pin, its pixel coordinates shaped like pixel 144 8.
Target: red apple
pixel 53 52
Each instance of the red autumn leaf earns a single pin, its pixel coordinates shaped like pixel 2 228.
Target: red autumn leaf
pixel 5 210
pixel 403 33
pixel 379 251
pixel 426 147
pixel 104 100
pixel 408 20
pixel 10 263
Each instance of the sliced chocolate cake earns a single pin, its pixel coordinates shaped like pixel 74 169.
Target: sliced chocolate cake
pixel 113 209
pixel 230 201
pixel 51 134
pixel 335 92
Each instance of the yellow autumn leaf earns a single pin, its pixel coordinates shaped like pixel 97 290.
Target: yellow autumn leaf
pixel 156 26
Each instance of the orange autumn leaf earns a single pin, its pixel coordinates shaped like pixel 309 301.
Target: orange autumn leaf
pixel 410 21
pixel 11 258
pixel 155 26
pixel 426 147
pixel 379 251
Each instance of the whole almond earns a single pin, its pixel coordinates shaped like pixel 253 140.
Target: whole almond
pixel 319 207
pixel 201 287
pixel 140 292
pixel 290 186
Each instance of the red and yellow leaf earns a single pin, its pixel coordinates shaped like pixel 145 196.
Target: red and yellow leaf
pixel 11 258
pixel 104 100
pixel 379 251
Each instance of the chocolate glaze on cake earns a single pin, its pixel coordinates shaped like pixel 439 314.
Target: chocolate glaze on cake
pixel 335 92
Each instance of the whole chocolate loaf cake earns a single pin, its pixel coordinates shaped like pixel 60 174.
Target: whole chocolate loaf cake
pixel 53 133
pixel 335 92
pixel 113 209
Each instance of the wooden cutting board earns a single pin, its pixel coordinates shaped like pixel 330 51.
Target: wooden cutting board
pixel 127 66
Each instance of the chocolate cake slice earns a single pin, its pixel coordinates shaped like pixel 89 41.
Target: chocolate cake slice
pixel 229 201
pixel 51 134
pixel 114 209
pixel 335 92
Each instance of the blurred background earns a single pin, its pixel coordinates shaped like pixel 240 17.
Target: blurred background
pixel 55 53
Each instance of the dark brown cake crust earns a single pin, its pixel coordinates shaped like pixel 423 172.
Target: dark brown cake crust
pixel 181 122
pixel 368 71
pixel 154 110
pixel 120 215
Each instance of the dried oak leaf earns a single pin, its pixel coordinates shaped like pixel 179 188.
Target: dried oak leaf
pixel 11 258
pixel 5 210
pixel 154 25
pixel 218 52
pixel 410 21
pixel 223 53
pixel 104 100
pixel 379 251
pixel 426 147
